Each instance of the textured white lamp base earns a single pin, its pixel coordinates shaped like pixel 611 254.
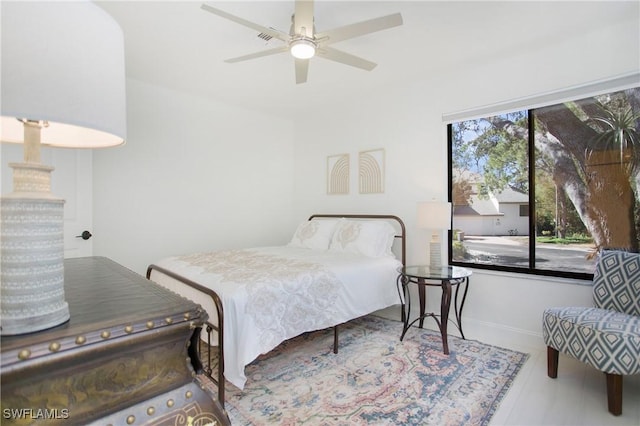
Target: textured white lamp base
pixel 435 251
pixel 435 254
pixel 32 254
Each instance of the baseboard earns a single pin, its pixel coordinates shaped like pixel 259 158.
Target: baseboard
pixel 482 331
pixel 502 335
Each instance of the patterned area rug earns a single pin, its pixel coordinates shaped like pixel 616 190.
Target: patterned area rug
pixel 374 379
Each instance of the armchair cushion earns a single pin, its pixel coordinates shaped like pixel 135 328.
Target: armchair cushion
pixel 607 340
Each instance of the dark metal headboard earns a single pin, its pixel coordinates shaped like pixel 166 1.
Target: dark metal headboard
pixel 402 236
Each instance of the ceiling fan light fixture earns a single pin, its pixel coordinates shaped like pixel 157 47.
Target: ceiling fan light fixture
pixel 302 48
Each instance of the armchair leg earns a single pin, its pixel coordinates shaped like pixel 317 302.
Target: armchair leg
pixel 552 362
pixel 614 393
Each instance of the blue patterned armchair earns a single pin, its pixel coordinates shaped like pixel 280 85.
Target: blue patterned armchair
pixel 606 336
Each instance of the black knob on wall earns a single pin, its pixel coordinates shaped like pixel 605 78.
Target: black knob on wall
pixel 85 235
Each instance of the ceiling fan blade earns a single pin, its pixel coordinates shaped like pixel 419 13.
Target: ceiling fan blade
pixel 303 18
pixel 302 69
pixel 360 28
pixel 270 31
pixel 345 58
pixel 260 54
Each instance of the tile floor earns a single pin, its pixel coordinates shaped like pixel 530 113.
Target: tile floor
pixel 577 397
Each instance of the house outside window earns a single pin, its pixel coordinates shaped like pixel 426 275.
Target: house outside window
pixel 543 190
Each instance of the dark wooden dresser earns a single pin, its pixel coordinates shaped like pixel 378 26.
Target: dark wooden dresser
pixel 126 356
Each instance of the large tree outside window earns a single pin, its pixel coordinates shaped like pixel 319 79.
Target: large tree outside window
pixel 574 166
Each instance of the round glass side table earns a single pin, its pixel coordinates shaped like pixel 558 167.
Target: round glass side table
pixel 445 277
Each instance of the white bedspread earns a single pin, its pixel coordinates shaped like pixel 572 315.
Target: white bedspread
pixel 272 294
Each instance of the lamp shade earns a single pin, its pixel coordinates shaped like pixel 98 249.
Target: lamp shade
pixel 63 63
pixel 434 215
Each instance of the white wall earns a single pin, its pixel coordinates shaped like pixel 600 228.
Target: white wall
pixel 512 222
pixel 194 175
pixel 406 120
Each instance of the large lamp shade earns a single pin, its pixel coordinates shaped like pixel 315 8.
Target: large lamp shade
pixel 63 62
pixel 436 216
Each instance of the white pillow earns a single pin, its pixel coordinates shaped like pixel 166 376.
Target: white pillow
pixel 314 234
pixel 369 238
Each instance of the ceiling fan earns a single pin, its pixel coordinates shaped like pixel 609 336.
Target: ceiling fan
pixel 304 43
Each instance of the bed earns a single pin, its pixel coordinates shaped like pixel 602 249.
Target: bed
pixel 335 268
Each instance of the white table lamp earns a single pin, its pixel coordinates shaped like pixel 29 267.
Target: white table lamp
pixel 63 84
pixel 436 216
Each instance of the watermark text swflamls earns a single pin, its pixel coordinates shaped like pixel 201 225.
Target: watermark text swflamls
pixel 36 413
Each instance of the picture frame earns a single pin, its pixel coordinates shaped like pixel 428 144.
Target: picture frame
pixel 371 170
pixel 338 171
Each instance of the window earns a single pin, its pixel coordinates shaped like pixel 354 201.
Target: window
pixel 542 190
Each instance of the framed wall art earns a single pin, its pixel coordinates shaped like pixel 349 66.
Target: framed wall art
pixel 338 174
pixel 371 171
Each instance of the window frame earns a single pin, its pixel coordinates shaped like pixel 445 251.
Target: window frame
pixel 606 85
pixel 531 269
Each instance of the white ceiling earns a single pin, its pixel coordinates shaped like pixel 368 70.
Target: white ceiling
pixel 179 46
